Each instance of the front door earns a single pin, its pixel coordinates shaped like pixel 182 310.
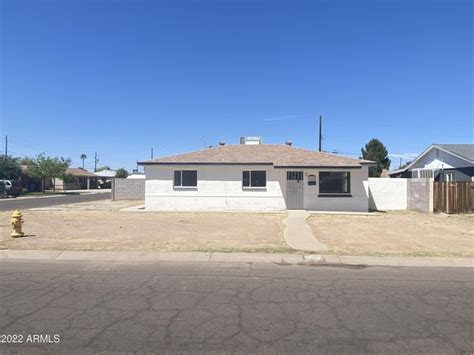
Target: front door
pixel 294 190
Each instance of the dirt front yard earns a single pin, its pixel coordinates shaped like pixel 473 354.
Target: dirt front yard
pixel 402 233
pixel 100 226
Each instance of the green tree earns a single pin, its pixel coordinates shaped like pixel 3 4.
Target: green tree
pixel 43 167
pixel 83 157
pixel 121 173
pixel 9 168
pixel 102 168
pixel 68 178
pixel 376 151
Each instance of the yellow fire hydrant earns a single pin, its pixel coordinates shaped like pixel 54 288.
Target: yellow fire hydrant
pixel 16 222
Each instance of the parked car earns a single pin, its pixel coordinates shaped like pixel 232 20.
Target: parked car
pixel 105 184
pixel 7 188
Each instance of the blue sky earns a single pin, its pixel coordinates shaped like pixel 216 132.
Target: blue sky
pixel 118 77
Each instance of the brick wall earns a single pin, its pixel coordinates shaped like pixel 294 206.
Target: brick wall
pixel 128 189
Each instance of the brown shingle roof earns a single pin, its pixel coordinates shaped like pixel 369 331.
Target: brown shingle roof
pixel 279 155
pixel 79 172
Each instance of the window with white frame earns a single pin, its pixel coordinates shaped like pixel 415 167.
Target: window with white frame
pixel 185 178
pixel 254 178
pixel 422 173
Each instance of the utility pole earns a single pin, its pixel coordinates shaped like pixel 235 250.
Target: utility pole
pixel 6 146
pixel 400 166
pixel 320 132
pixel 151 152
pixel 95 161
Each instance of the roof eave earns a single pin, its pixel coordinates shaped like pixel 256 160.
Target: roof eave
pixel 395 172
pixel 317 166
pixel 199 163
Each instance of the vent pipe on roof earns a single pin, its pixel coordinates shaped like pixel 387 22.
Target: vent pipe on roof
pixel 289 143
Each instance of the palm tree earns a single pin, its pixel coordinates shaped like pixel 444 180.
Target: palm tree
pixel 83 157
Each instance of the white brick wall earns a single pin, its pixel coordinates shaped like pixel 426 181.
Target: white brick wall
pixel 358 202
pixel 220 189
pixel 387 194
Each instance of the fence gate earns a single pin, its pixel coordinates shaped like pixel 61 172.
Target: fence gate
pixel 452 197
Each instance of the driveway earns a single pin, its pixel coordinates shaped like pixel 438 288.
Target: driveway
pixel 238 308
pixel 37 202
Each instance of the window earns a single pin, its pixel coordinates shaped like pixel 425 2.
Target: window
pixel 254 178
pixel 426 174
pixel 294 175
pixel 334 182
pixel 185 178
pixel 311 180
pixel 422 173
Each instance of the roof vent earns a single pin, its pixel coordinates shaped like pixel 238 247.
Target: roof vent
pixel 251 140
pixel 289 143
pixel 221 143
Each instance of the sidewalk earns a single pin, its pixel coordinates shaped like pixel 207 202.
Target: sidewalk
pixel 304 259
pixel 298 233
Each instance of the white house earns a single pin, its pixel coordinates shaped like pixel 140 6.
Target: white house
pixel 442 162
pixel 256 177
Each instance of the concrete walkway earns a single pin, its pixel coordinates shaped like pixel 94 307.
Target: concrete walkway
pixel 298 234
pixel 287 259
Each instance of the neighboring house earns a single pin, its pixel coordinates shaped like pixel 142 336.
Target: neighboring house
pixel 28 183
pixel 136 176
pixel 81 179
pixel 258 177
pixel 442 162
pixel 105 178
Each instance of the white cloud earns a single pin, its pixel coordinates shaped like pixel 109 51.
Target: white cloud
pixel 405 156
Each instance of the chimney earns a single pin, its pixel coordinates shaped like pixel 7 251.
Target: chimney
pixel 289 143
pixel 251 140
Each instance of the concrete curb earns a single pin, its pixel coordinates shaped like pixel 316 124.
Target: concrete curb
pixel 309 259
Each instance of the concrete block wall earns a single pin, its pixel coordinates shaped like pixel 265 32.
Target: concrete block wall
pixel 128 189
pixel 388 194
pixel 420 195
pixel 219 189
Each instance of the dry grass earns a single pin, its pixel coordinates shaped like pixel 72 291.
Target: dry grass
pixel 396 233
pixel 80 228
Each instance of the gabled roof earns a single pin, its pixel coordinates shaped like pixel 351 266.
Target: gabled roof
pixel 463 151
pixel 278 155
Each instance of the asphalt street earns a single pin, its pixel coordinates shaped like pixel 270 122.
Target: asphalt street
pixel 189 307
pixel 25 203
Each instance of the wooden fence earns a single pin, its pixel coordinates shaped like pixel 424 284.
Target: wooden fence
pixel 453 197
